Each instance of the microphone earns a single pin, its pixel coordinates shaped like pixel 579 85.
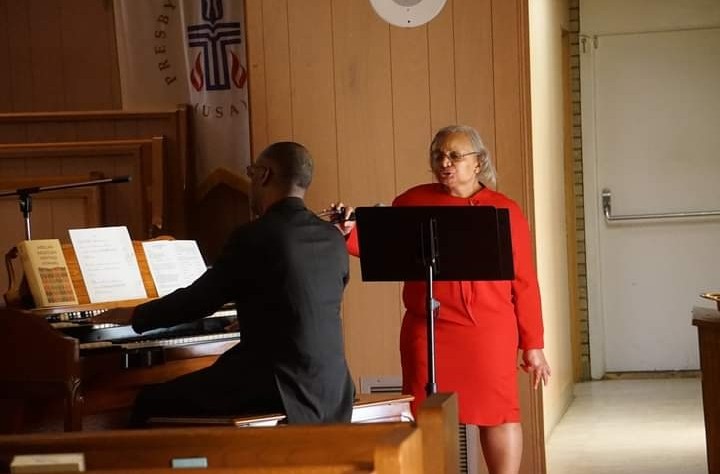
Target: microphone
pixel 337 216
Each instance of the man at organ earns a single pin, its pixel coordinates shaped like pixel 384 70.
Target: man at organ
pixel 286 272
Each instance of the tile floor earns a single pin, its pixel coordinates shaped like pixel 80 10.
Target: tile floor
pixel 631 426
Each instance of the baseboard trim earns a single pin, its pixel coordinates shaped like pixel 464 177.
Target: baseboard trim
pixel 652 374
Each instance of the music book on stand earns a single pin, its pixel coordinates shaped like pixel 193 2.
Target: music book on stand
pixel 108 263
pixel 173 263
pixel 47 272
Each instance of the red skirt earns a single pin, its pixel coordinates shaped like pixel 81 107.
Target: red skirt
pixel 479 362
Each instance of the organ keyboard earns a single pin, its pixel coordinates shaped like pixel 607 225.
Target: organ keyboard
pixel 61 356
pixel 56 356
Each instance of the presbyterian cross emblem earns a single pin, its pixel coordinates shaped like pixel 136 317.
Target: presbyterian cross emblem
pixel 217 66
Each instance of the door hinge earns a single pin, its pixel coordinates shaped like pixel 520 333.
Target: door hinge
pixel 585 39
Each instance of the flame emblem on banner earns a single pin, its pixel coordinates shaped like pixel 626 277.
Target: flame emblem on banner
pixel 196 74
pixel 239 73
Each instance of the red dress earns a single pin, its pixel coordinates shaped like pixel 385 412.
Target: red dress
pixel 480 326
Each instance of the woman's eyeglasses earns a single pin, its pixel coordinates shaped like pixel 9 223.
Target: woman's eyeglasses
pixel 438 156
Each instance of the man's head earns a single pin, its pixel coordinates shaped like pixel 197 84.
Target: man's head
pixel 283 169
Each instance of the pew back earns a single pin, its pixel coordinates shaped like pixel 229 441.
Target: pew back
pixel 438 421
pixel 378 447
pixel 311 469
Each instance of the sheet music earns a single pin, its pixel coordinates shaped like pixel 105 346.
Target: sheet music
pixel 108 263
pixel 173 263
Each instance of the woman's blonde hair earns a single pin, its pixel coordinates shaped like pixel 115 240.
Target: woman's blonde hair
pixel 487 175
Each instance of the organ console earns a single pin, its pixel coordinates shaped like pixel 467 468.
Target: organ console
pixel 57 365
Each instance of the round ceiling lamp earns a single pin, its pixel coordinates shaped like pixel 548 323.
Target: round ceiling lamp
pixel 407 13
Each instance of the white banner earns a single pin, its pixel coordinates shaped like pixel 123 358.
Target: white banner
pixel 191 51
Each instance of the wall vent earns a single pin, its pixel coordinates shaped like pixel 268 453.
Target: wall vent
pixel 469 440
pixel 381 384
pixel 468 435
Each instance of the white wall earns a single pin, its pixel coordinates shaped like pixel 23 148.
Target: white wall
pixel 547 19
pixel 601 16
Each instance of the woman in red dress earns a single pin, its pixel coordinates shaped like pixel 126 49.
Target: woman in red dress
pixel 481 324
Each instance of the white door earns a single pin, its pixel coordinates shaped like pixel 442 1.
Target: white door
pixel 651 136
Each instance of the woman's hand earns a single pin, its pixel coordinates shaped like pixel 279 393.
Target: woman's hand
pixel 535 364
pixel 341 216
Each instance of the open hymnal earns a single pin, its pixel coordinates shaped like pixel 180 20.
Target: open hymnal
pixel 173 263
pixel 47 272
pixel 60 462
pixel 108 263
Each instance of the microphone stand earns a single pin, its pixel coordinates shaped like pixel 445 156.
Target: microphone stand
pixel 430 253
pixel 25 199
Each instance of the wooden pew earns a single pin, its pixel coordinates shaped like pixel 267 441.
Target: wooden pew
pixel 309 469
pixel 437 417
pixel 438 420
pixel 374 447
pixel 707 322
pixel 430 446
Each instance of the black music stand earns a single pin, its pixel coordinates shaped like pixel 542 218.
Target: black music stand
pixel 434 243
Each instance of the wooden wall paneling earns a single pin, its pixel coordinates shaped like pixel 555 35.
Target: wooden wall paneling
pixel 411 105
pixel 20 65
pixel 42 166
pixel 363 92
pixel 179 147
pixel 366 170
pixel 313 98
pixel 113 60
pixel 96 130
pixel 13 132
pixel 512 134
pixel 81 126
pixel 179 154
pixel 277 70
pixel 10 168
pixel 124 204
pixel 155 198
pixel 178 164
pixel 126 129
pixel 51 131
pixel 73 209
pixel 46 49
pixel 441 49
pixel 113 64
pixel 89 55
pixel 5 77
pixel 60 56
pixel 13 230
pixel 177 182
pixel 473 34
pixel 255 49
